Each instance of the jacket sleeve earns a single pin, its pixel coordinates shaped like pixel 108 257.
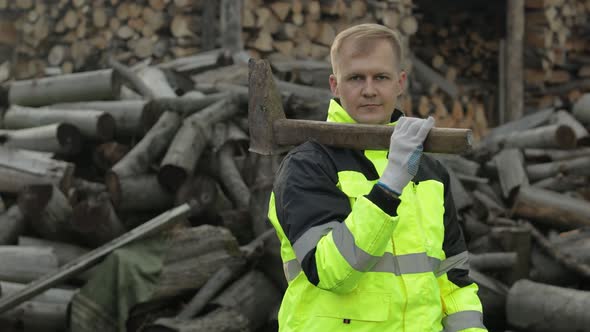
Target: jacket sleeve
pixel 333 243
pixel 461 304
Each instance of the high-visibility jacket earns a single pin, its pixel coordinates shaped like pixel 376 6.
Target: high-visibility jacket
pixel 358 259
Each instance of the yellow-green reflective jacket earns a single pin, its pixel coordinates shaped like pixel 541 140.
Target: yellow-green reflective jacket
pixel 358 259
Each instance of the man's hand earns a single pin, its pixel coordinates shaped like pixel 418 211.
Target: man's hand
pixel 405 151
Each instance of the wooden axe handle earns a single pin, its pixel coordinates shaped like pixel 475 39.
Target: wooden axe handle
pixel 365 137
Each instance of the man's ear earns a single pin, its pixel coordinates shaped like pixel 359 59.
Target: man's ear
pixel 403 77
pixel 334 86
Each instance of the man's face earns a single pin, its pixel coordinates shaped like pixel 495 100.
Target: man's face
pixel 367 81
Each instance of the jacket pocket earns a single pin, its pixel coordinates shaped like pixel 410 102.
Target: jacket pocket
pixel 356 306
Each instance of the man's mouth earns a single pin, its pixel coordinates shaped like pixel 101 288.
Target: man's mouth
pixel 370 105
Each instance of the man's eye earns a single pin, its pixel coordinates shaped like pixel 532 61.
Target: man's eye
pixel 355 78
pixel 382 77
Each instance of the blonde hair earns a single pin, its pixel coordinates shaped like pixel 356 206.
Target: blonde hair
pixel 366 32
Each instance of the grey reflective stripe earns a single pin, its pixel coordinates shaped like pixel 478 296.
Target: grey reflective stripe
pixel 463 320
pixel 311 237
pixel 292 269
pixel 459 261
pixel 406 264
pixel 343 240
pixel 356 257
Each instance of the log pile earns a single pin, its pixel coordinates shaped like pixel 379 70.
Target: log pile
pixel 556 52
pixel 523 200
pixel 84 166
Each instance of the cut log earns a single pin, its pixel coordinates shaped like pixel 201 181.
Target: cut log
pixel 25 264
pixel 190 141
pixel 565 312
pixel 493 297
pixel 511 172
pixel 54 295
pixel 155 141
pixel 253 295
pixel 562 183
pixel 535 119
pixel 12 225
pixel 20 168
pixel 36 317
pixel 555 155
pixel 581 109
pixel 92 85
pixel 493 261
pixel 551 136
pixel 92 124
pixel 565 118
pixel 577 166
pixel 556 210
pixel 61 138
pixel 185 106
pixel 428 75
pixel 64 252
pixel 48 211
pixel 140 193
pixel 96 222
pixel 200 188
pixel 126 113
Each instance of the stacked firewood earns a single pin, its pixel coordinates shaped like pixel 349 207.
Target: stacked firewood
pixel 525 206
pixel 306 29
pixel 452 70
pixel 72 35
pixel 557 51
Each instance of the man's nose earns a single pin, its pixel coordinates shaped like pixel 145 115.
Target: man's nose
pixel 369 88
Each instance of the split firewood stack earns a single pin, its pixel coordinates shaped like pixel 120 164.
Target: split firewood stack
pixel 556 53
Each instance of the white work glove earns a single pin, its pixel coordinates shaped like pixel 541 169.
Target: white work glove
pixel 405 151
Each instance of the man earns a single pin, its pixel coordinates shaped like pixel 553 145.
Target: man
pixel 370 239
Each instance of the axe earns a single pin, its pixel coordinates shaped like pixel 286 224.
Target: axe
pixel 271 131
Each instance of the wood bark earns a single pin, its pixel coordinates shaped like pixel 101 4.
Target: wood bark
pixel 54 295
pixel 140 193
pixel 240 296
pixel 493 261
pixel 65 252
pixel 577 166
pixel 219 320
pixel 556 210
pixel 189 143
pixel 19 168
pixel 92 124
pixel 511 172
pixel 93 85
pixel 25 264
pixel 555 155
pixel 514 63
pixel 61 138
pixel 126 113
pixel 562 183
pixel 12 225
pixel 231 25
pixel 48 211
pixel 108 154
pixel 566 311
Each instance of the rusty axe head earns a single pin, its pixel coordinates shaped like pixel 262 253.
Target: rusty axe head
pixel 264 107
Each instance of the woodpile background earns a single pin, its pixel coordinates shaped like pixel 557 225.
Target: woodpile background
pixel 85 158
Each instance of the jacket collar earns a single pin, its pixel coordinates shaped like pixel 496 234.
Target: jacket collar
pixel 338 114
